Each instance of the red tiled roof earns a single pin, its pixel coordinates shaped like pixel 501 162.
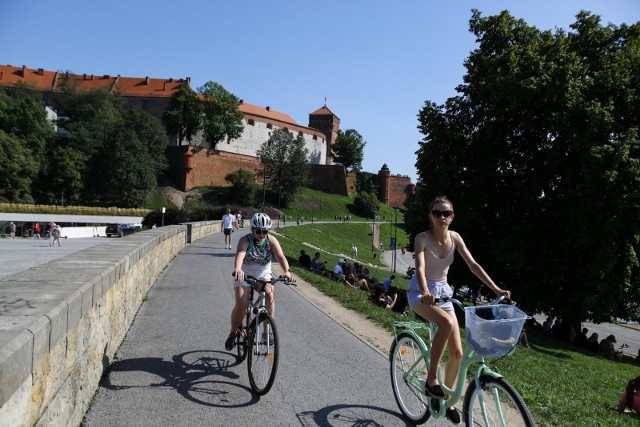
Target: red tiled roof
pixel 56 81
pixel 323 111
pixel 266 112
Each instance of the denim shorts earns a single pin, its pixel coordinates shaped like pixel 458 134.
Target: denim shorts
pixel 437 289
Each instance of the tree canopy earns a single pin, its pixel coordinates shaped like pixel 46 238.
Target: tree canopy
pixel 183 118
pixel 285 164
pixel 539 153
pixel 222 117
pixel 349 149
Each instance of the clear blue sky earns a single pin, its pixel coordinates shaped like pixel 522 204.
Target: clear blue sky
pixel 376 62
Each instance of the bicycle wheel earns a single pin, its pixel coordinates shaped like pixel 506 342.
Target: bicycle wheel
pixel 408 373
pixel 263 354
pixel 241 344
pixel 503 405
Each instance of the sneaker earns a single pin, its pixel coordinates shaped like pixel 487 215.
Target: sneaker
pixel 230 342
pixel 453 415
pixel 433 390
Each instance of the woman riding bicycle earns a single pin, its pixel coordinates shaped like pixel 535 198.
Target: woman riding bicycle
pixel 434 250
pixel 253 257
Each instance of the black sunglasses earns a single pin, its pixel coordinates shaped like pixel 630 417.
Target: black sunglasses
pixel 436 213
pixel 259 231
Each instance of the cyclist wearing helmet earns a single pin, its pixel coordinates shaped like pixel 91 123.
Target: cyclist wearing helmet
pixel 253 257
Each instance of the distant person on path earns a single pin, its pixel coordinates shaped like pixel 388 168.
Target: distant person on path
pixel 12 230
pixel 36 231
pixel 239 219
pixel 229 223
pixel 434 252
pixel 354 251
pixel 54 231
pixel 630 399
pixel 253 257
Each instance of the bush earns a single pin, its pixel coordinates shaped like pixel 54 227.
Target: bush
pixel 366 203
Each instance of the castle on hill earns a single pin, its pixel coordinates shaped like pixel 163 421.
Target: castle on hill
pixel 195 163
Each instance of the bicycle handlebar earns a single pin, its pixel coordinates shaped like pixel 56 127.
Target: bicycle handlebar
pixel 500 300
pixel 253 280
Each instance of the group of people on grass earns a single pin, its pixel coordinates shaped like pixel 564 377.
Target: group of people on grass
pixel 582 339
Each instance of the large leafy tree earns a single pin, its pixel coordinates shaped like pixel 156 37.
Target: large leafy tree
pixel 540 154
pixel 367 182
pixel 349 149
pixel 285 163
pixel 23 120
pixel 222 117
pixel 243 186
pixel 18 168
pixel 183 118
pixel 124 148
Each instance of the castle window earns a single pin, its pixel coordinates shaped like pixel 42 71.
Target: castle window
pixel 269 126
pixel 251 122
pixel 315 137
pixel 300 133
pixel 286 130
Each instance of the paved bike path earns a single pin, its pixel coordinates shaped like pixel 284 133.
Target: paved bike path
pixel 172 368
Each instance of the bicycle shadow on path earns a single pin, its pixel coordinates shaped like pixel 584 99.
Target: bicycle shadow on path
pixel 201 376
pixel 352 415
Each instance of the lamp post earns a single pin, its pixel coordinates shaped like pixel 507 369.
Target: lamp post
pixel 395 239
pixel 373 231
pixel 279 192
pixel 264 186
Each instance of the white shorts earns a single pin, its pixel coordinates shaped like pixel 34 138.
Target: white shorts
pixel 437 289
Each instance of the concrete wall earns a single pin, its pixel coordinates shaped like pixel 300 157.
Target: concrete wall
pixel 62 322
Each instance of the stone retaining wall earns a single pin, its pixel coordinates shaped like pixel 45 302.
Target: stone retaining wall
pixel 62 322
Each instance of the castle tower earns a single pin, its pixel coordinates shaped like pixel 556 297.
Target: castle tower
pixel 384 175
pixel 328 123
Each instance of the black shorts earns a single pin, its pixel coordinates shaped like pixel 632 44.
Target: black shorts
pixel 227 231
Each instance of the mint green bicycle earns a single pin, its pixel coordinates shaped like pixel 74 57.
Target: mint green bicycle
pixel 491 330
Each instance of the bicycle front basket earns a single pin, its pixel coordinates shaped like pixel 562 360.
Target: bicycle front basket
pixel 493 330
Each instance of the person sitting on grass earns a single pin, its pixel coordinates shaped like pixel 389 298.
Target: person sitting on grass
pixel 304 259
pixel 353 280
pixel 630 399
pixel 315 261
pixel 380 298
pixel 607 349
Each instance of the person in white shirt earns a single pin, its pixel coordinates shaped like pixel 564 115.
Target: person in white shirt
pixel 229 223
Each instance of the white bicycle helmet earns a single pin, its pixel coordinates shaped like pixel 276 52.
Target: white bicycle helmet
pixel 261 221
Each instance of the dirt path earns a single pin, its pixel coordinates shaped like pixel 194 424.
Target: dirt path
pixel 368 331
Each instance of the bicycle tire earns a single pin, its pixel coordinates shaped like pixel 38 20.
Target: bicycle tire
pixel 502 402
pixel 412 401
pixel 263 354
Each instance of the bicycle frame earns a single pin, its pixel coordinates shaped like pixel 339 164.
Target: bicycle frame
pixel 469 357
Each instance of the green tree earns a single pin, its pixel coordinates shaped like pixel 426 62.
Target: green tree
pixel 183 118
pixel 367 182
pixel 285 163
pixel 222 116
pixel 23 115
pixel 349 149
pixel 243 185
pixel 540 153
pixel 18 168
pixel 124 148
pixel 366 203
